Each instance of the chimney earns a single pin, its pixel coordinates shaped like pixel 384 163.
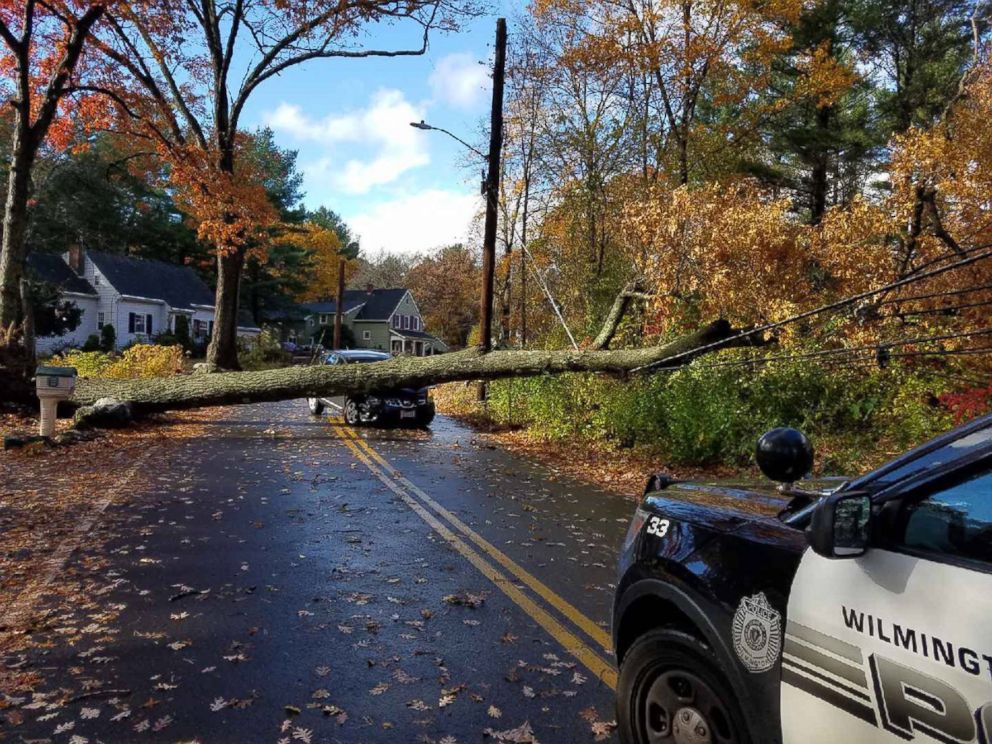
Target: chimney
pixel 369 288
pixel 76 262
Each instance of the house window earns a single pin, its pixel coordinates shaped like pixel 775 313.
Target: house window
pixel 139 323
pixel 100 320
pixel 325 319
pixel 404 322
pixel 396 346
pixel 366 335
pixel 199 329
pixel 96 280
pixel 396 321
pixel 415 323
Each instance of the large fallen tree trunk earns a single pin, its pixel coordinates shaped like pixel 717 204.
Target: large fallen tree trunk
pixel 196 391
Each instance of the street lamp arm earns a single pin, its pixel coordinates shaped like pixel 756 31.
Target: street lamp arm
pixel 428 127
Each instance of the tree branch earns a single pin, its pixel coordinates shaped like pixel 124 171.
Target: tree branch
pixel 67 65
pixel 633 291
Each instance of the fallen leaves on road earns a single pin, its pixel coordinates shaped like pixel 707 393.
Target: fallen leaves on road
pixel 522 734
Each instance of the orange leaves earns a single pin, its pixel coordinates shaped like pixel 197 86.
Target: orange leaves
pixel 232 210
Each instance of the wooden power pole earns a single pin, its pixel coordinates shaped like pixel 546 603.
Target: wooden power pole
pixel 338 306
pixel 492 190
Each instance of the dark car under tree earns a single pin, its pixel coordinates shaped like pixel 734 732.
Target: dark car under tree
pixel 400 406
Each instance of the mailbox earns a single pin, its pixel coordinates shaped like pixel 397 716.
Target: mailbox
pixel 53 384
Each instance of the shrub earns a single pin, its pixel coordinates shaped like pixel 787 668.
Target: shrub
pixel 147 360
pixel 92 343
pixel 265 353
pixel 181 332
pixel 140 360
pixel 108 337
pixel 87 363
pixel 710 413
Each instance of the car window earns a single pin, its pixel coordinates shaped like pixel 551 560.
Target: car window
pixel 955 521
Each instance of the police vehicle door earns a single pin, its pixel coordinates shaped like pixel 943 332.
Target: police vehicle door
pixel 896 644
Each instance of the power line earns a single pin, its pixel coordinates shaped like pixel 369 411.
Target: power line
pixel 934 295
pixel 837 305
pixel 847 351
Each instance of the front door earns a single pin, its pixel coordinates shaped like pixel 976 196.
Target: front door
pixel 896 645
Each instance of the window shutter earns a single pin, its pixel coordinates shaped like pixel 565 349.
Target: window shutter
pixel 130 322
pixel 148 324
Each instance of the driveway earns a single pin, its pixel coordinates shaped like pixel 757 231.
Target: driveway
pixel 285 578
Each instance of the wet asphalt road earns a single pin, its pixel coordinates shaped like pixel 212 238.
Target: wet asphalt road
pixel 281 583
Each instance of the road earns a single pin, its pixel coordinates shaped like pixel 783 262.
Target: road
pixel 288 578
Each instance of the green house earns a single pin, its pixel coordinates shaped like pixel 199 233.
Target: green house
pixel 382 319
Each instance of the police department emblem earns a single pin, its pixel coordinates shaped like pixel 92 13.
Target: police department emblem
pixel 757 632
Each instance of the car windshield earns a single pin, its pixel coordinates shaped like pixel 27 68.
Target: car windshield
pixel 957 449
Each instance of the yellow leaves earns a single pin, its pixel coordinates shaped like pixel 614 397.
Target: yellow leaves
pixel 140 360
pixel 323 246
pixel 824 79
pixel 726 250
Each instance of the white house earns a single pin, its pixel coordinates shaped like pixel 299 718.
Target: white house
pixel 140 298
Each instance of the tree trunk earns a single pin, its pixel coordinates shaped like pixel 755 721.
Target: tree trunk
pixel 15 220
pixel 223 350
pixel 195 391
pixel 28 339
pixel 819 183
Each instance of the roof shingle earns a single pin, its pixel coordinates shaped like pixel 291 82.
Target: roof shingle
pixel 52 268
pixel 179 286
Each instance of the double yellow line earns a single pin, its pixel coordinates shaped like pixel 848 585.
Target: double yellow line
pixel 432 513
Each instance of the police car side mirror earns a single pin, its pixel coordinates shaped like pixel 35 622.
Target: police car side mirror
pixel 841 526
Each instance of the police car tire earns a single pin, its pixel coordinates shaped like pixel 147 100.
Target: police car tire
pixel 661 649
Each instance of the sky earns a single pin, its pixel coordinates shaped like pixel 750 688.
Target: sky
pixel 400 189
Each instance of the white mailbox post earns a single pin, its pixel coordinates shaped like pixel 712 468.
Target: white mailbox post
pixel 53 384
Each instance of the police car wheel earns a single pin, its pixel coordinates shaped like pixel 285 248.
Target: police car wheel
pixel 316 407
pixel 671 691
pixel 352 416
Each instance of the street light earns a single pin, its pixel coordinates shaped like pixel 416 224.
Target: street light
pixel 424 126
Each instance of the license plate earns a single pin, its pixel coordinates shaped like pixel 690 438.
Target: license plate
pixel 408 414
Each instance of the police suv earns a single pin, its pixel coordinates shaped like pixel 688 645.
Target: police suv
pixel 859 612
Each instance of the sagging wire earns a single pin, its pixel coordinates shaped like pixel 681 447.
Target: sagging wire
pixel 876 348
pixel 836 305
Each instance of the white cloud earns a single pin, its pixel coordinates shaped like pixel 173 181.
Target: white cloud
pixel 416 223
pixel 460 81
pixel 382 130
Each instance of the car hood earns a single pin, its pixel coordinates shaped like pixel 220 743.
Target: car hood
pixel 746 498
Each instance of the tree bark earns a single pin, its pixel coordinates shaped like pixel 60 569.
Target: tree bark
pixel 628 294
pixel 15 220
pixel 196 391
pixel 223 350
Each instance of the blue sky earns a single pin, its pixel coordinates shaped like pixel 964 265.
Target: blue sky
pixel 400 189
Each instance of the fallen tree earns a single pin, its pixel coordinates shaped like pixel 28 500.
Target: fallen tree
pixel 229 388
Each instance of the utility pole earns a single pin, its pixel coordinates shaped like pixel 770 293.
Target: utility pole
pixel 492 190
pixel 339 303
